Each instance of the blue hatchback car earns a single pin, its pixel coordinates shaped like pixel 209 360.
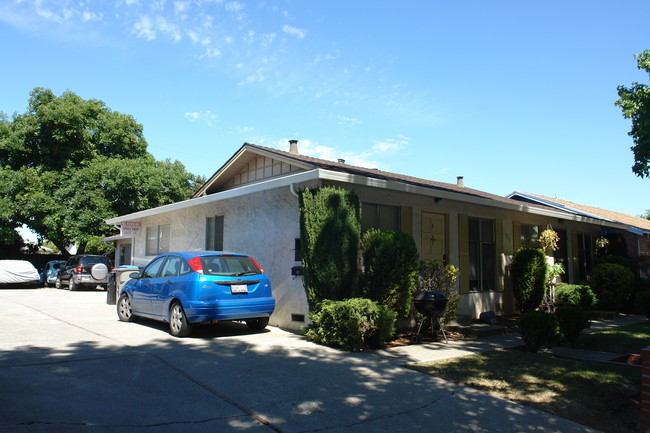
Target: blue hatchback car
pixel 187 288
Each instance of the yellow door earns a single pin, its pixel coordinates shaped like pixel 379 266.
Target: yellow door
pixel 434 239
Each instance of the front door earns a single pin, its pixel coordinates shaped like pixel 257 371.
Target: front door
pixel 434 238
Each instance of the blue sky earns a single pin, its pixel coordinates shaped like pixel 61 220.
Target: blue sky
pixel 512 95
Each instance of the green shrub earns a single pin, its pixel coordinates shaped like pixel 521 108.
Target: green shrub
pixel 612 284
pixel 390 260
pixel 576 295
pixel 617 260
pixel 572 320
pixel 528 270
pixel 434 276
pixel 330 231
pixel 642 303
pixel 538 329
pixel 353 324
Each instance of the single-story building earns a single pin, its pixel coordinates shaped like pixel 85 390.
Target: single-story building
pixel 251 205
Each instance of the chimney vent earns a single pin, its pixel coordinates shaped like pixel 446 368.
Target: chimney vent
pixel 293 147
pixel 459 181
pixel 341 161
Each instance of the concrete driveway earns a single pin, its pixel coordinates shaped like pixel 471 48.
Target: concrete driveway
pixel 68 365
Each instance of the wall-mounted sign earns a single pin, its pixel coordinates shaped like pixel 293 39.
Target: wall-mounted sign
pixel 130 228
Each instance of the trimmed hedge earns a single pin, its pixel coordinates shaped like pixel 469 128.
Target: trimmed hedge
pixel 390 260
pixel 613 285
pixel 330 232
pixel 354 324
pixel 576 295
pixel 538 329
pixel 572 320
pixel 528 269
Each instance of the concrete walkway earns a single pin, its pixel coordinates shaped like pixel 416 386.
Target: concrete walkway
pixel 68 365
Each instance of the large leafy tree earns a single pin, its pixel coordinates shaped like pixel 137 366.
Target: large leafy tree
pixel 635 103
pixel 67 164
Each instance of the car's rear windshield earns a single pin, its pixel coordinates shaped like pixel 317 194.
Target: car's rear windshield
pixel 93 260
pixel 228 265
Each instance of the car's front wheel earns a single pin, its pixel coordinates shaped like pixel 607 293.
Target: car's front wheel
pixel 124 310
pixel 179 326
pixel 257 324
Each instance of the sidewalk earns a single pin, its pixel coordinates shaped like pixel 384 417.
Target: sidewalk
pixel 417 353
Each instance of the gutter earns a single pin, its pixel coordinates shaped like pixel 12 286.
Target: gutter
pixel 323 174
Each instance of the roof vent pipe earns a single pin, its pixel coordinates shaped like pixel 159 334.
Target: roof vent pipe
pixel 293 147
pixel 341 161
pixel 459 181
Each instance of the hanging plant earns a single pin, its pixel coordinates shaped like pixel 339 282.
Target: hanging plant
pixel 602 242
pixel 548 239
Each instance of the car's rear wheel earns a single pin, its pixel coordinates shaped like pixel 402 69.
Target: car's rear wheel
pixel 124 310
pixel 72 286
pixel 58 284
pixel 257 324
pixel 179 326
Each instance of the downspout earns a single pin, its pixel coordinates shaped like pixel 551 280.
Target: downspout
pixel 292 188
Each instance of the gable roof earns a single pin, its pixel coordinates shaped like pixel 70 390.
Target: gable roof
pixel 255 168
pixel 641 224
pixel 249 152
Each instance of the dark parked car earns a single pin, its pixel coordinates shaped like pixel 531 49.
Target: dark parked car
pixel 16 274
pixel 186 288
pixel 50 272
pixel 84 271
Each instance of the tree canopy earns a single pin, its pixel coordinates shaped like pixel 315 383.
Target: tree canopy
pixel 635 104
pixel 68 164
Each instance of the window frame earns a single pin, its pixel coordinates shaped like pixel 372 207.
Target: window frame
pixel 214 233
pixel 482 255
pixel 159 242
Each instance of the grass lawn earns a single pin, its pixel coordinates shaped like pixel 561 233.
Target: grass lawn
pixel 598 395
pixel 623 339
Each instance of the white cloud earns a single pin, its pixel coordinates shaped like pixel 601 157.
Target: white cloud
pixel 91 16
pixel 348 121
pixel 149 29
pixel 315 150
pixel 207 117
pixel 211 52
pixel 144 28
pixel 391 144
pixel 237 9
pixel 294 31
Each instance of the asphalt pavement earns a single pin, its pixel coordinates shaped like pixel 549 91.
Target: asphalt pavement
pixel 67 364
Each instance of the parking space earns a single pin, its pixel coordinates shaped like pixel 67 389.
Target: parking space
pixel 67 364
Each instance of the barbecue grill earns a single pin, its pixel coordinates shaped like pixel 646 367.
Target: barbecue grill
pixel 432 305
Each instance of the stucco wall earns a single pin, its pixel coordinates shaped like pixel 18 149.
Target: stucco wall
pixel 263 225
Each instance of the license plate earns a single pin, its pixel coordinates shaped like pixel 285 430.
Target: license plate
pixel 239 288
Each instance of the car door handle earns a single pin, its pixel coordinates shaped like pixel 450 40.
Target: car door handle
pixel 169 282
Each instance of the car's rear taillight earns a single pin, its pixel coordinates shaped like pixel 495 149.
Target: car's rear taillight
pixel 257 265
pixel 79 269
pixel 196 265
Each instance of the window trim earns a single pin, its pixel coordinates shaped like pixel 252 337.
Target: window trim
pixel 162 239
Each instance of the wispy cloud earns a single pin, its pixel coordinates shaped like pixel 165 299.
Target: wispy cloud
pixel 207 117
pixel 391 145
pixel 294 31
pixel 253 47
pixel 328 153
pixel 348 121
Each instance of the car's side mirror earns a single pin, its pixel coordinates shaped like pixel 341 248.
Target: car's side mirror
pixel 134 275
